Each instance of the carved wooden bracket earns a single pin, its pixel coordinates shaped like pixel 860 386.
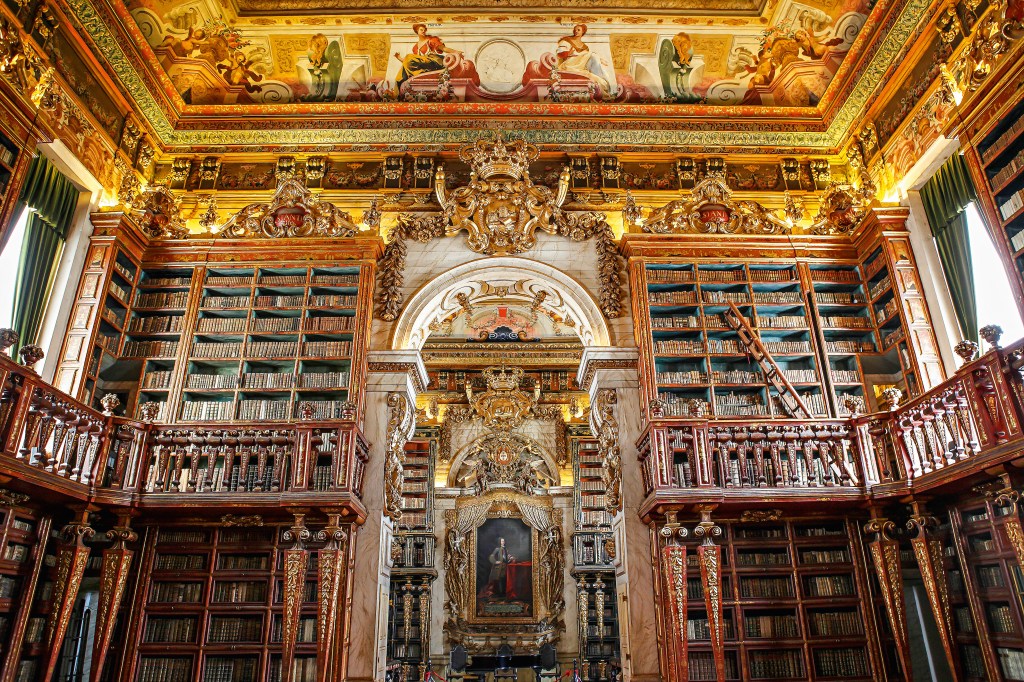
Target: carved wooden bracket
pixel 885 555
pixel 117 560
pixel 296 560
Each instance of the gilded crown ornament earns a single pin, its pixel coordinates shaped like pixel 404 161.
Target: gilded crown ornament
pixel 503 406
pixel 494 158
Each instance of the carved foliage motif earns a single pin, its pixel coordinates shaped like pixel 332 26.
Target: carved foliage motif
pixel 709 557
pixel 503 405
pixel 885 556
pixel 157 212
pixel 117 560
pixel 710 209
pixel 292 212
pixel 606 428
pixel 674 573
pixel 401 422
pixel 840 210
pixel 72 557
pixel 331 565
pixel 928 553
pixel 296 560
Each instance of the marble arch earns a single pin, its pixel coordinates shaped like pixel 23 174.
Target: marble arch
pixel 566 296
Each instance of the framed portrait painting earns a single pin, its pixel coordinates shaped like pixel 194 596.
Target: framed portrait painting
pixel 504 570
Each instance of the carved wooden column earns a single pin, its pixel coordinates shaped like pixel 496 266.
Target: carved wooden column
pixel 296 560
pixel 331 564
pixel 709 556
pixel 117 560
pixel 1010 498
pixel 673 568
pixel 72 556
pixel 928 552
pixel 389 373
pixel 993 669
pixel 885 555
pixel 610 376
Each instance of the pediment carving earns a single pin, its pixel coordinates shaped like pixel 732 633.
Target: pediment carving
pixel 709 209
pixel 293 211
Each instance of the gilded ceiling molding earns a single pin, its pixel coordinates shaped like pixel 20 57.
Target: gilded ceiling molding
pixel 710 209
pixel 99 28
pixel 500 210
pixel 990 40
pixel 409 368
pixel 293 211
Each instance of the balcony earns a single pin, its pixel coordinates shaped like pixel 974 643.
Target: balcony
pixel 54 443
pixel 951 435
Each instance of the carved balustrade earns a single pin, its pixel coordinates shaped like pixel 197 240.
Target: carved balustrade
pixel 756 454
pixel 49 433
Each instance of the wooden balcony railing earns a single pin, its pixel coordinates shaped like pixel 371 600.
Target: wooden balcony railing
pixel 968 423
pixel 49 437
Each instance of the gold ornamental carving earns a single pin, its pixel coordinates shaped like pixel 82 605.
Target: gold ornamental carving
pixel 233 521
pixel 885 556
pixel 296 561
pixel 331 568
pixel 116 563
pixel 157 211
pixel 605 427
pixel 500 210
pixel 401 422
pixel 673 566
pixel 503 406
pixel 928 553
pixel 709 557
pixel 709 208
pixel 72 557
pixel 841 208
pixel 292 212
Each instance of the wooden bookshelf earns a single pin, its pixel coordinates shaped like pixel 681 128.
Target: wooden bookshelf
pixel 23 537
pixel 408 642
pixel 418 484
pixel 588 495
pixel 791 603
pixel 213 607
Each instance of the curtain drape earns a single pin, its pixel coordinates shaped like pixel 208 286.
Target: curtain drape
pixel 51 199
pixel 945 197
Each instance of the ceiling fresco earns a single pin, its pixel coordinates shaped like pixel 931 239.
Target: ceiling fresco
pixel 784 58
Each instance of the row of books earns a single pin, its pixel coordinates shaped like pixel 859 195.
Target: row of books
pixel 162 299
pixel 775 664
pixel 835 623
pixel 895 336
pixel 878 287
pixel 846 662
pixel 211 381
pixel 591 518
pixel 887 310
pixel 682 377
pixel 840 555
pixel 676 322
pixel 1000 617
pixel 775 626
pixel 680 406
pixel 414 519
pixel 8 587
pixel 700 629
pixel 715 296
pixel 222 325
pixel 228 280
pixel 165 281
pixel 1012 662
pixel 170 630
pixel 778 297
pixel 176 593
pixel 180 562
pixel 845 376
pixel 702 667
pixel 662 297
pixel 157 324
pixel 839 297
pixel 17 553
pixel 845 321
pixel 251 410
pixel 849 346
pixel 120 292
pixel 199 410
pixel 235 629
pixel 151 349
pixel 989 576
pixel 166 669
pixel 801 376
pixel 417 551
pixel 841 276
pixel 235 591
pixel 303 670
pixel 766 587
pixel 306 632
pixel 736 376
pixel 113 316
pixel 782 322
pixel 109 343
pixel 231 669
pixel 775 557
pixel 592 501
pixel 1004 139
pixel 828 585
pixel 226 301
pixel 8 155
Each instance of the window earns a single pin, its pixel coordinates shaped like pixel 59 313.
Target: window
pixel 9 268
pixel 992 290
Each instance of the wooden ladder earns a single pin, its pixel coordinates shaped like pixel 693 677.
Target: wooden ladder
pixel 788 397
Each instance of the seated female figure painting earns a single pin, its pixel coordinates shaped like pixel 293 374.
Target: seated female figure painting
pixel 430 55
pixel 504 569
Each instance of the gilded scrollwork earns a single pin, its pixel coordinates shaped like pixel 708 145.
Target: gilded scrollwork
pixel 709 208
pixel 605 427
pixel 292 212
pixel 157 210
pixel 401 422
pixel 841 208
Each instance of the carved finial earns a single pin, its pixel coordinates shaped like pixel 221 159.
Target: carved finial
pixel 306 411
pixel 966 349
pixel 991 333
pixel 110 402
pixel 795 211
pixel 348 410
pixel 892 397
pixel 631 213
pixel 210 219
pixel 697 407
pixel 854 404
pixel 30 355
pixel 372 215
pixel 8 337
pixel 149 411
pixel 657 407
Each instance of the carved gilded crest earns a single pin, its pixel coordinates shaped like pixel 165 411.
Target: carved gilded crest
pixel 159 214
pixel 710 209
pixel 840 210
pixel 292 212
pixel 500 209
pixel 503 405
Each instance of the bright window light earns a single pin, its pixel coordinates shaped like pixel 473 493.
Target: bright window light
pixel 9 268
pixel 991 288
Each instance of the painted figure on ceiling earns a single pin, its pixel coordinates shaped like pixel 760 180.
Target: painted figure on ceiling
pixel 676 70
pixel 325 62
pixel 810 36
pixel 576 58
pixel 427 55
pixel 238 71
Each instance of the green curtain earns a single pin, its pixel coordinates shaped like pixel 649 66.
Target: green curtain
pixel 945 197
pixel 51 198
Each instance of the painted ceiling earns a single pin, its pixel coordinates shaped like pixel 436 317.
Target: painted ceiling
pixel 767 73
